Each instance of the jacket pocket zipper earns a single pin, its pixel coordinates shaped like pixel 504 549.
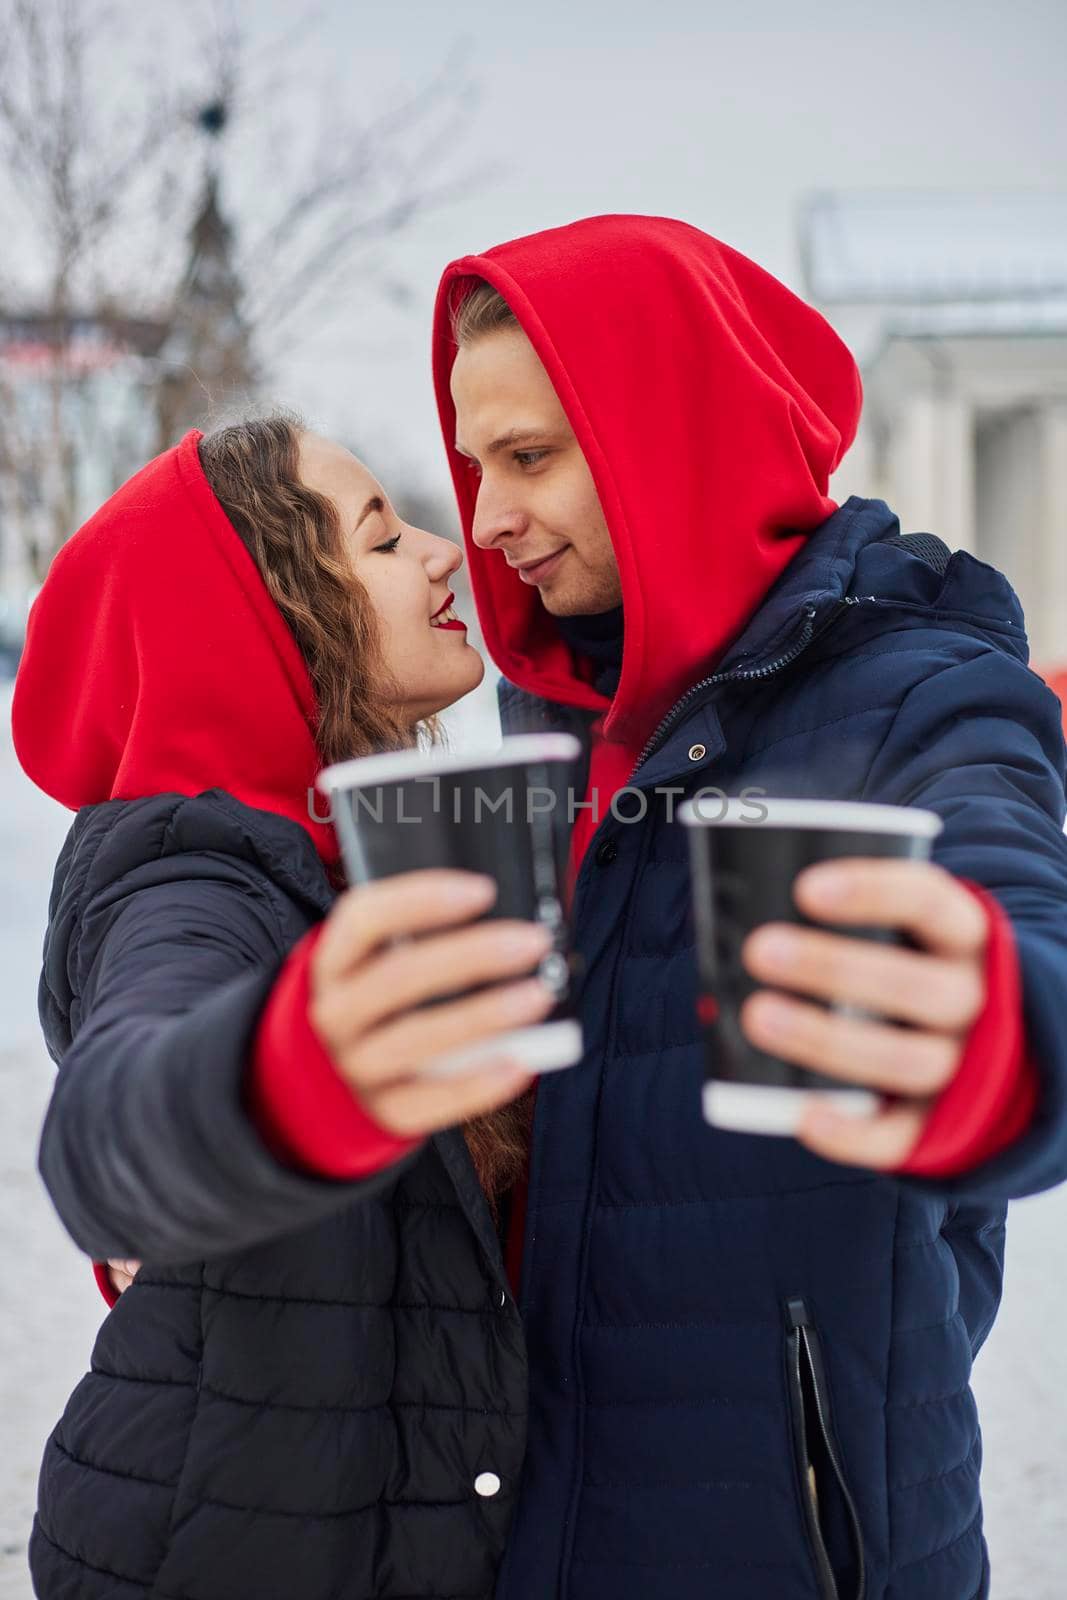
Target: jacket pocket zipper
pixel 811 1413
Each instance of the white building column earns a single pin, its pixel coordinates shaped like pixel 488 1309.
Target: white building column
pixel 1010 494
pixel 1048 626
pixel 931 467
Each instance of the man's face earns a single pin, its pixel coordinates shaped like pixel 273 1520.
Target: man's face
pixel 536 502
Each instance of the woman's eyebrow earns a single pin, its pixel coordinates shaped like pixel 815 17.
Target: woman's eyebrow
pixel 375 503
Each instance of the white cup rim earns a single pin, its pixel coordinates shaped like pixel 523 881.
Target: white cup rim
pixel 848 816
pixel 396 766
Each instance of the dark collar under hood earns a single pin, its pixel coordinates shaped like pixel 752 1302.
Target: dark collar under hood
pixel 711 405
pixel 599 640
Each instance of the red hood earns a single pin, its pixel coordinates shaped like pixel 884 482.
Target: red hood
pixel 156 661
pixel 711 405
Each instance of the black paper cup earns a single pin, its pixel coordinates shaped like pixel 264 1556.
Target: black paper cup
pixel 744 856
pixel 503 812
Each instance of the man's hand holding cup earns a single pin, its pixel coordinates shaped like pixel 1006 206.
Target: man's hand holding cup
pixel 937 991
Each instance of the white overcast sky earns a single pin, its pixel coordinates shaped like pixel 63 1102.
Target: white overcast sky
pixel 725 116
pixel 680 108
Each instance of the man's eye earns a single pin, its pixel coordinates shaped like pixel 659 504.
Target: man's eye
pixel 390 545
pixel 530 458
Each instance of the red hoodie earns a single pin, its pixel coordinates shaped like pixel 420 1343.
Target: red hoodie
pixel 157 662
pixel 710 440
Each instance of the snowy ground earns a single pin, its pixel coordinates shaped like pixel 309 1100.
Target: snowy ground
pixel 51 1308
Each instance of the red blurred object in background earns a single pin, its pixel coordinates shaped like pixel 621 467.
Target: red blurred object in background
pixel 1056 678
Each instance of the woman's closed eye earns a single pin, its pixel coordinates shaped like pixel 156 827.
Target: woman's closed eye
pixel 390 544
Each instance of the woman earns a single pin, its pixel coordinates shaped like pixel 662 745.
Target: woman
pixel 283 1403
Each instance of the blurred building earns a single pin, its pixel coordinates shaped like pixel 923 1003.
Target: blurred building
pixel 956 308
pixel 77 416
pixel 206 362
pixel 87 399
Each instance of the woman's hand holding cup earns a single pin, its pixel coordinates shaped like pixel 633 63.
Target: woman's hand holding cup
pixel 390 947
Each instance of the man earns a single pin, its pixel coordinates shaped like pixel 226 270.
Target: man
pixel 749 1357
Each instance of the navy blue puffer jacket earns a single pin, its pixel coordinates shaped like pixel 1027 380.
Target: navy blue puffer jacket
pixel 696 1302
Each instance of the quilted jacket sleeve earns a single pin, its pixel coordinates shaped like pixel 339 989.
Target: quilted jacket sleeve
pixel 153 988
pixel 979 740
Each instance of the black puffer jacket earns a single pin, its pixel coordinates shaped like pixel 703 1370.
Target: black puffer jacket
pixel 313 1389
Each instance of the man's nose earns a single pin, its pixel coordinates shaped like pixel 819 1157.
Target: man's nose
pixel 495 523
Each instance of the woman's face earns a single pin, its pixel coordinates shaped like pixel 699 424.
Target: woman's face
pixel 406 574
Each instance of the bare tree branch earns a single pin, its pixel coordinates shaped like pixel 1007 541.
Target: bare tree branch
pixel 97 159
pixel 335 250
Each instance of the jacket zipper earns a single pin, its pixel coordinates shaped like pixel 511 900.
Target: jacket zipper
pixel 807 636
pixel 807 1376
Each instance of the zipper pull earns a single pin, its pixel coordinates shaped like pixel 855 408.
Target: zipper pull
pixel 797 1313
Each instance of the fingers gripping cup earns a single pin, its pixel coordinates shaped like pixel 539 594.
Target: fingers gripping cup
pixel 744 857
pixel 503 813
